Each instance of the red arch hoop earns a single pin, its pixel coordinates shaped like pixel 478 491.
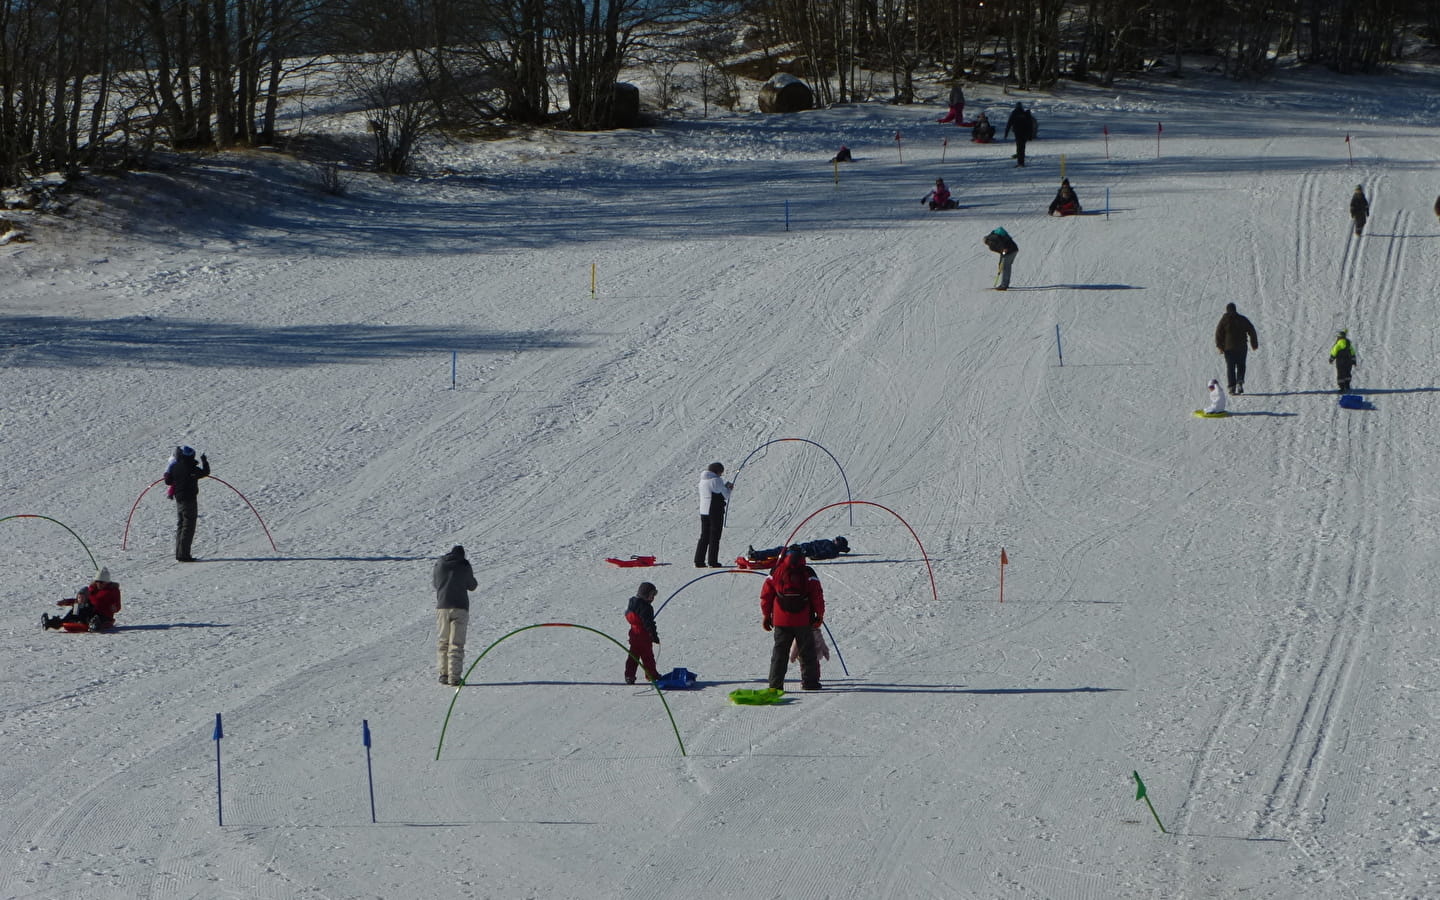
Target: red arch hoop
pixel 933 591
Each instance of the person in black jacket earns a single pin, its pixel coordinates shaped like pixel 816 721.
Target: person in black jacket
pixel 453 580
pixel 1231 334
pixel 1359 208
pixel 999 241
pixel 1022 122
pixel 183 475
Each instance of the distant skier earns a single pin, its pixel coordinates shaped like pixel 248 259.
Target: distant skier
pixel 956 113
pixel 1065 202
pixel 983 132
pixel 1342 356
pixel 183 474
pixel 842 155
pixel 1022 122
pixel 940 197
pixel 999 241
pixel 1231 335
pixel 1360 208
pixel 1217 398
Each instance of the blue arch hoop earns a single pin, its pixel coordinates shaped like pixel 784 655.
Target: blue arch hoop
pixel 814 444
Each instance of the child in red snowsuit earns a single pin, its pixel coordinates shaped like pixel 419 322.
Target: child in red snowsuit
pixel 643 636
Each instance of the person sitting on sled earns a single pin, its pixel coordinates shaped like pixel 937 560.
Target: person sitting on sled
pixel 1217 398
pixel 940 197
pixel 93 607
pixel 983 132
pixel 842 155
pixel 1065 202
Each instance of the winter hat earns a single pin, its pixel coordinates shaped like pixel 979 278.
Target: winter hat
pixel 1340 333
pixel 457 550
pixel 716 467
pixel 103 574
pixel 1229 307
pixel 1001 231
pixel 646 589
pixel 1213 384
pixel 187 451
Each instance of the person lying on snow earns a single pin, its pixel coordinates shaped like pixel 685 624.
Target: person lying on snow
pixel 821 549
pixel 940 197
pixel 1065 202
pixel 93 607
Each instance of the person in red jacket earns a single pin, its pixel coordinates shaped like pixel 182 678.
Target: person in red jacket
pixel 643 634
pixel 93 607
pixel 792 604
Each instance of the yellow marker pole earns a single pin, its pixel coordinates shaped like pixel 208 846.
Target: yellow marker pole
pixel 592 281
pixel 1062 165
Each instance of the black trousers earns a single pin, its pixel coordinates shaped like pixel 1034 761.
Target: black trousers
pixel 780 657
pixel 1342 373
pixel 1020 150
pixel 186 512
pixel 1235 367
pixel 707 549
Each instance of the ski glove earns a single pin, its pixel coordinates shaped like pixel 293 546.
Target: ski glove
pixel 767 624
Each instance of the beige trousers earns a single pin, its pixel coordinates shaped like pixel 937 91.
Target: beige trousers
pixel 450 645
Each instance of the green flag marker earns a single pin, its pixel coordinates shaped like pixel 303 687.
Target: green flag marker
pixel 1140 794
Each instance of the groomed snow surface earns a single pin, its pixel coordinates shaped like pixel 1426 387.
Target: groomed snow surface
pixel 1241 610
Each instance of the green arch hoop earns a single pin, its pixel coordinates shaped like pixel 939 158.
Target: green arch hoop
pixel 449 712
pixel 62 525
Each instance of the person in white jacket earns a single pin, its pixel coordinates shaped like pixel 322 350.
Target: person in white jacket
pixel 1217 398
pixel 714 497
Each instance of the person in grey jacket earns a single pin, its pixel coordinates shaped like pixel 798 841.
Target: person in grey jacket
pixel 453 579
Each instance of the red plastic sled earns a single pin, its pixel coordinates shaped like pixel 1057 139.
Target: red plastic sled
pixel 632 562
pixel 745 562
pixel 74 627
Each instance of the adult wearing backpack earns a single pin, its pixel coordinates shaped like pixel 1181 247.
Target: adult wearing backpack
pixel 183 475
pixel 714 497
pixel 1022 122
pixel 792 606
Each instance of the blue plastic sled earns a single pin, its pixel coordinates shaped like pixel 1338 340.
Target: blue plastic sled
pixel 676 680
pixel 1354 401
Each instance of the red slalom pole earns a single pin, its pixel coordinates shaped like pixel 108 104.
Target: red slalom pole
pixel 1004 561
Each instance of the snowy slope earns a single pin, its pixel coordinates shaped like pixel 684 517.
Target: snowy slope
pixel 1239 609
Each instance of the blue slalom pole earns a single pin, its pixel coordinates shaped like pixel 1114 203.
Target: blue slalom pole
pixel 369 772
pixel 787 215
pixel 1058 349
pixel 837 648
pixel 1107 204
pixel 219 733
pixel 454 363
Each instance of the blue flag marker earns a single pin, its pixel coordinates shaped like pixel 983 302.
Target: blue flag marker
pixel 219 733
